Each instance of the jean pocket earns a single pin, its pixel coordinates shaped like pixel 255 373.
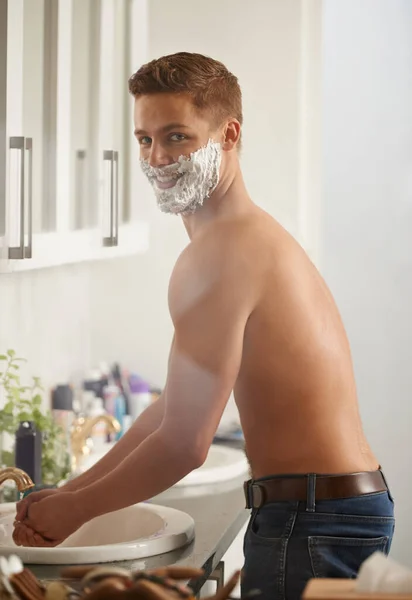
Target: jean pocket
pixel 269 528
pixel 342 556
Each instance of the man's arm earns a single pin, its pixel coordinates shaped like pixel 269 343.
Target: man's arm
pixel 144 426
pixel 147 422
pixel 210 305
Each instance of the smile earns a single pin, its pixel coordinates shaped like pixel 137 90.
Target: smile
pixel 165 183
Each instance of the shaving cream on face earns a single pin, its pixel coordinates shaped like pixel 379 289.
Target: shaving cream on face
pixel 183 186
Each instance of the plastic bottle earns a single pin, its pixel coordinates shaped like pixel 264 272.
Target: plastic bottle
pixel 62 409
pixel 140 396
pixel 110 393
pixel 99 434
pixel 28 451
pixel 121 381
pixel 120 412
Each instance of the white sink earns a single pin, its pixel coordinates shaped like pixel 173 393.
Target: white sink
pixel 222 464
pixel 135 532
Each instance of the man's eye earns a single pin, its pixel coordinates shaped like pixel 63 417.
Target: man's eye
pixel 177 137
pixel 145 140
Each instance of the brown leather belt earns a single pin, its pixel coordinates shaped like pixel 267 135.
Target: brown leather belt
pixel 324 487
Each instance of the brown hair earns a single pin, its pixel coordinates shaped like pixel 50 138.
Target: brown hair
pixel 208 81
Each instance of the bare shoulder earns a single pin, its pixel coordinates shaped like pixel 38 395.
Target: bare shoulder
pixel 223 261
pixel 237 265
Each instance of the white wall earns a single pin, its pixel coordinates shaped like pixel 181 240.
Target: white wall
pixel 45 317
pixel 367 219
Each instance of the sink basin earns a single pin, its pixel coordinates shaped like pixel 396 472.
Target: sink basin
pixel 135 532
pixel 221 464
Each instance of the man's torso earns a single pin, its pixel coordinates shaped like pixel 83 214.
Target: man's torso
pixel 295 389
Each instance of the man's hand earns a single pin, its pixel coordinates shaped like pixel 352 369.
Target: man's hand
pixel 22 507
pixel 49 521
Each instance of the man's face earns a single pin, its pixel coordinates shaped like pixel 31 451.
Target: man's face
pixel 180 152
pixel 168 126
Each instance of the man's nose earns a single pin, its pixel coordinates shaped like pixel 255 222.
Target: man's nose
pixel 159 157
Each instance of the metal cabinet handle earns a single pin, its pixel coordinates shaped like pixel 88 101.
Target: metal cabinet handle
pixel 22 251
pixel 116 207
pixel 17 252
pixel 28 250
pixel 113 238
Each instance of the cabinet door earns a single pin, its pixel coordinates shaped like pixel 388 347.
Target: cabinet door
pixel 5 50
pixel 122 23
pixel 12 144
pixel 28 132
pixel 108 145
pixel 138 195
pixel 121 114
pixel 84 122
pixel 97 118
pixel 39 108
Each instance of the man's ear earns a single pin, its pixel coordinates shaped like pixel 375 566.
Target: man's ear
pixel 231 135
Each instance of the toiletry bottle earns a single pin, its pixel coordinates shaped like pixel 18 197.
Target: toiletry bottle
pixel 62 409
pixel 140 396
pixel 28 452
pixel 122 383
pixel 99 434
pixel 120 412
pixel 110 393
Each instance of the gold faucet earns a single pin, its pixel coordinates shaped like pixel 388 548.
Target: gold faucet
pixel 81 430
pixel 21 479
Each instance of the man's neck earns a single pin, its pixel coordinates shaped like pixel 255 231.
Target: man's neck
pixel 228 200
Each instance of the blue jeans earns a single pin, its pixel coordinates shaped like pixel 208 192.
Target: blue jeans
pixel 285 545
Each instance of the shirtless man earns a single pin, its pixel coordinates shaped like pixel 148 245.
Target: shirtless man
pixel 251 313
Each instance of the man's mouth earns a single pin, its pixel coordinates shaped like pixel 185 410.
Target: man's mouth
pixel 166 181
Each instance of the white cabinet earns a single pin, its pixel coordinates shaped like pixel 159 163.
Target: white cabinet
pixel 17 179
pixel 65 123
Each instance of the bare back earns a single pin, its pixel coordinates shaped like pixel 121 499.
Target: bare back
pixel 295 391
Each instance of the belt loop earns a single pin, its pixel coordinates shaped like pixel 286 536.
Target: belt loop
pixel 247 486
pixel 386 483
pixel 311 492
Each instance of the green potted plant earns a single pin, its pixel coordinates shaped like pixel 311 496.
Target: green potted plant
pixel 24 403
